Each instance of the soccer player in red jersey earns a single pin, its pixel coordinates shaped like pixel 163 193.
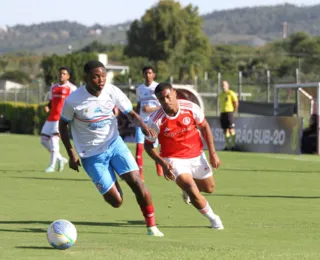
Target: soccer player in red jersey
pixel 179 124
pixel 50 132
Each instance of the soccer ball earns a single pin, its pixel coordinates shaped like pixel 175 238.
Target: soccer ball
pixel 61 234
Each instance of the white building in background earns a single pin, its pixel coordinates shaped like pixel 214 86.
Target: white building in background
pixel 7 85
pixel 112 68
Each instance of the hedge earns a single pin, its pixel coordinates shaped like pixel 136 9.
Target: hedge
pixel 24 118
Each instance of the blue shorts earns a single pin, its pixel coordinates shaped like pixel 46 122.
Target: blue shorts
pixel 101 168
pixel 140 137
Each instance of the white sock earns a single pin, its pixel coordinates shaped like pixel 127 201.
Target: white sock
pixel 208 212
pixel 55 152
pixel 45 141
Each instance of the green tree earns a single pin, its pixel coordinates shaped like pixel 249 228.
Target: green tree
pixel 16 76
pixel 75 61
pixel 173 35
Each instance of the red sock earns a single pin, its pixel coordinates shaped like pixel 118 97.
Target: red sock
pixel 148 213
pixel 159 169
pixel 139 159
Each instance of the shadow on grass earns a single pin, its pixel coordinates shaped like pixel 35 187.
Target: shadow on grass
pixel 31 230
pixel 265 196
pixel 123 223
pixel 9 171
pixel 35 247
pixel 47 178
pixel 265 170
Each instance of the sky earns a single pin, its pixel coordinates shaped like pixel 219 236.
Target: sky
pixel 108 12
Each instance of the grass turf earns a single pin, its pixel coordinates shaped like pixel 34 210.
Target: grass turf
pixel 269 204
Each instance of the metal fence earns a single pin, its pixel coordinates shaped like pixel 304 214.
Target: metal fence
pixel 259 90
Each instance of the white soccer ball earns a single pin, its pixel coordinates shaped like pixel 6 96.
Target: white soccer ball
pixel 61 234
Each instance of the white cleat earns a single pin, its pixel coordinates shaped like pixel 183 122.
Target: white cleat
pixel 62 163
pixel 186 198
pixel 217 223
pixel 50 169
pixel 154 231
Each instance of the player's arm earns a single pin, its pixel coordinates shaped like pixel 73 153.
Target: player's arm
pixel 138 121
pixel 208 138
pixel 74 161
pixel 235 102
pixel 66 117
pixel 153 153
pixel 149 109
pixel 48 107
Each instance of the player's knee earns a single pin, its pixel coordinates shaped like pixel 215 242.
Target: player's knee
pixel 209 188
pixel 115 203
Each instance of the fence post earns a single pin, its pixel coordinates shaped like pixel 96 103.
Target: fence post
pixel 240 85
pixel 27 94
pixel 39 92
pixel 218 92
pixel 171 79
pixel 15 97
pixel 196 82
pixel 268 85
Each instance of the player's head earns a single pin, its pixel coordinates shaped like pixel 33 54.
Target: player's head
pixel 95 75
pixel 148 74
pixel 225 86
pixel 64 74
pixel 167 97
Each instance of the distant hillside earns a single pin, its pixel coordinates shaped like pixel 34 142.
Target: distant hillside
pixel 248 26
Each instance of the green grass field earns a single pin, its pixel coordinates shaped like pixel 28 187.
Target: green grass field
pixel 269 204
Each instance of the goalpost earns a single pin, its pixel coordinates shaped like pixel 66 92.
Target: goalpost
pixel 299 87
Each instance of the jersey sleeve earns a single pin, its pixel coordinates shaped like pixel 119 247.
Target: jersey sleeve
pixel 122 101
pixel 153 125
pixel 73 88
pixel 198 114
pixel 67 113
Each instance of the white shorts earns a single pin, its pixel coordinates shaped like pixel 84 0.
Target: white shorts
pixel 50 128
pixel 198 166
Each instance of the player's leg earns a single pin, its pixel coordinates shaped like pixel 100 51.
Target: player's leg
pixel 45 138
pixel 124 164
pixel 158 166
pixel 139 150
pixel 102 175
pixel 187 184
pixel 45 141
pixel 231 128
pixel 224 125
pixel 202 174
pixel 183 170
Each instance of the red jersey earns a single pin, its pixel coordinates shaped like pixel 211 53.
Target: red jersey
pixel 178 136
pixel 58 94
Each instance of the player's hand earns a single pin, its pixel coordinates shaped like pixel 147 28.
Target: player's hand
pixel 214 160
pixel 74 163
pixel 168 171
pixel 145 108
pixel 147 131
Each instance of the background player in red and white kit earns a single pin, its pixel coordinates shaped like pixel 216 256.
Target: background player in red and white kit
pixel 50 132
pixel 147 103
pixel 181 155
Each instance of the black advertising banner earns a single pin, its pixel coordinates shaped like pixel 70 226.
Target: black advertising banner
pixel 262 134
